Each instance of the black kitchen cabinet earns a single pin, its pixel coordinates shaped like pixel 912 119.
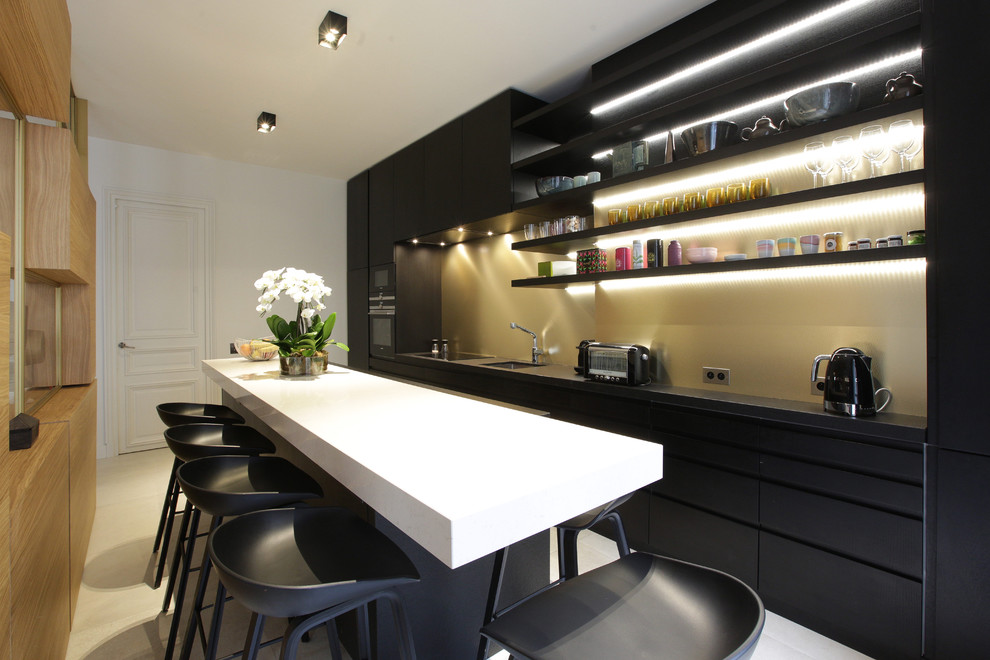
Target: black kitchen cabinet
pixel 961 559
pixel 443 156
pixel 487 154
pixel 874 611
pixel 357 319
pixel 700 537
pixel 410 190
pixel 381 212
pixel 357 221
pixel 417 297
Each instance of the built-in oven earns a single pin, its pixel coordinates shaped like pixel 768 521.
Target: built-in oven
pixel 381 324
pixel 381 279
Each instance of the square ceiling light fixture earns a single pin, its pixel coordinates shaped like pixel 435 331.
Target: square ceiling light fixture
pixel 333 29
pixel 266 122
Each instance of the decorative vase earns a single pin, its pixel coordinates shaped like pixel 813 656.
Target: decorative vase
pixel 297 365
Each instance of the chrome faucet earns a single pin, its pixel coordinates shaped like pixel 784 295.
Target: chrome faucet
pixel 536 349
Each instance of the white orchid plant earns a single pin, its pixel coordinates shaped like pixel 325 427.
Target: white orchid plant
pixel 309 334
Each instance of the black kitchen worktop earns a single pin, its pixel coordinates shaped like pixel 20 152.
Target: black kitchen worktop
pixel 891 427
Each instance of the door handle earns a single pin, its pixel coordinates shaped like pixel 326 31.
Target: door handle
pixel 123 345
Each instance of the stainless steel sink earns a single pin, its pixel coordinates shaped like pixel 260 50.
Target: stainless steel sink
pixel 511 364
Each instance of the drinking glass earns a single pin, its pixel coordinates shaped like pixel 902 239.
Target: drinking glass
pixel 845 154
pixel 813 161
pixel 902 140
pixel 874 146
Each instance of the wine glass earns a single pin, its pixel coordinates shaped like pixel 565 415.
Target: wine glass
pixel 813 160
pixel 845 154
pixel 874 146
pixel 902 139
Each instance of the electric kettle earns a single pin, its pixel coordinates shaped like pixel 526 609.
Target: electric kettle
pixel 849 386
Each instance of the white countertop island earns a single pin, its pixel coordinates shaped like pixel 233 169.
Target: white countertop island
pixel 461 477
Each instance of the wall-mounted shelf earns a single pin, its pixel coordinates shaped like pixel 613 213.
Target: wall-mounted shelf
pixel 790 73
pixel 577 201
pixel 798 260
pixel 565 243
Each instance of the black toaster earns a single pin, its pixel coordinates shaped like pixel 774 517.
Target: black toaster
pixel 626 364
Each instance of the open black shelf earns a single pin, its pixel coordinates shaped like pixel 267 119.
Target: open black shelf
pixel 564 243
pixel 798 260
pixel 568 117
pixel 577 200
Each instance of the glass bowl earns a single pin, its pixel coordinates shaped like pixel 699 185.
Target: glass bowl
pixel 256 350
pixel 546 185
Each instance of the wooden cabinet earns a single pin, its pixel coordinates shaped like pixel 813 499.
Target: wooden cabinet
pixel 381 213
pixel 357 221
pixel 5 474
pixel 35 47
pixel 39 545
pixel 59 211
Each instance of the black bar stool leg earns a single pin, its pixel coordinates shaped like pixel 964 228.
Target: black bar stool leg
pixel 166 508
pixel 180 590
pixel 176 560
pixel 567 553
pixel 195 621
pixel 252 642
pixel 335 653
pixel 494 591
pixel 167 536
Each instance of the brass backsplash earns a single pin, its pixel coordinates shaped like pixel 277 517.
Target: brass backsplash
pixel 766 331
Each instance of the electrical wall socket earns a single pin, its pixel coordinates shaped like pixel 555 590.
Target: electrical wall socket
pixel 818 387
pixel 715 376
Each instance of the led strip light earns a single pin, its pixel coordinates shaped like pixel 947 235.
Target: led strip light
pixel 763 41
pixel 869 68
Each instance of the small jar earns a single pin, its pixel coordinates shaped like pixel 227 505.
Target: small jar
pixel 833 241
pixel 674 253
pixel 895 240
pixel 916 237
pixel 637 254
pixel 865 244
pixel 881 242
pixel 853 245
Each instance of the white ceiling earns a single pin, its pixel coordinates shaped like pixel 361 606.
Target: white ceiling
pixel 193 75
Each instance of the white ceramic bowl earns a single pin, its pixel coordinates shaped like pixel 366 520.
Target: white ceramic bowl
pixel 700 255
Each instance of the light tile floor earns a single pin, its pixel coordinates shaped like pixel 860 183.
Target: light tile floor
pixel 118 616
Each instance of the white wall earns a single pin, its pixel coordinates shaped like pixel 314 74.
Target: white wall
pixel 264 219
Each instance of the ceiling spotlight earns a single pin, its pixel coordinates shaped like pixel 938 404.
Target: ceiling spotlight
pixel 333 29
pixel 266 122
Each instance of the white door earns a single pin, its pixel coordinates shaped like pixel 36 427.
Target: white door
pixel 157 310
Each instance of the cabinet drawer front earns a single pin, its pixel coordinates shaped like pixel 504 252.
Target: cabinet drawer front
pixel 906 499
pixel 690 534
pixel 885 539
pixel 711 453
pixel 703 425
pixel 876 612
pixel 857 456
pixel 723 492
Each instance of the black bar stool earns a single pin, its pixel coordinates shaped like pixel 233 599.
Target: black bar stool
pixel 567 532
pixel 226 486
pixel 639 606
pixel 310 566
pixel 191 441
pixel 175 414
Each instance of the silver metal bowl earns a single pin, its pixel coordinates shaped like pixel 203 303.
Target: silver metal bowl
pixel 820 103
pixel 710 136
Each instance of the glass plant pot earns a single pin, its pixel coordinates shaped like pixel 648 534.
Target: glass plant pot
pixel 303 366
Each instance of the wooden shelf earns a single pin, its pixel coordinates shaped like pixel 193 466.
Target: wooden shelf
pixel 565 243
pixel 35 38
pixel 798 260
